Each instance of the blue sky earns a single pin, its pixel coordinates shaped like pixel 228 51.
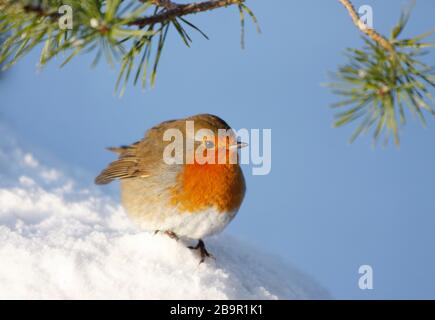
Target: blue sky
pixel 327 206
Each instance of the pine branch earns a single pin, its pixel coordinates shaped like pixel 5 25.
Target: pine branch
pixel 29 7
pixel 379 82
pixel 179 10
pixel 172 10
pixel 383 80
pixel 375 36
pixel 110 26
pixel 167 4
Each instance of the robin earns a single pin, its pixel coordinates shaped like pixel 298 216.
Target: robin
pixel 188 198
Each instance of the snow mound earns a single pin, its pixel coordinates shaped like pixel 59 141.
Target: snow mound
pixel 61 241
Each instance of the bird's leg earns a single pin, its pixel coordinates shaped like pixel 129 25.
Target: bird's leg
pixel 202 250
pixel 170 234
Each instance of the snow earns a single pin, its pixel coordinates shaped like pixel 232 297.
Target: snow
pixel 59 240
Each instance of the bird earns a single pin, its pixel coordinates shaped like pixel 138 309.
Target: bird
pixel 182 199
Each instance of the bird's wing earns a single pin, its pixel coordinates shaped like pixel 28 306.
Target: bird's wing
pixel 127 166
pixel 124 149
pixel 140 159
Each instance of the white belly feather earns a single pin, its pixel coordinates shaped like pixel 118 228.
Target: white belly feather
pixel 191 225
pixel 146 207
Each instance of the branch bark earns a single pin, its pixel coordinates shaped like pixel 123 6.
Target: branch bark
pixel 174 10
pixel 375 36
pixel 167 4
pixel 171 10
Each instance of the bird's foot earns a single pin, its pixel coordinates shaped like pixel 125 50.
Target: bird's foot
pixel 170 234
pixel 202 251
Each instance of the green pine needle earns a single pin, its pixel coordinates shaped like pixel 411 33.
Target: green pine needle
pixel 378 86
pixel 107 27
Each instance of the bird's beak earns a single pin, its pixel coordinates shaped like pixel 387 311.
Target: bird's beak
pixel 239 145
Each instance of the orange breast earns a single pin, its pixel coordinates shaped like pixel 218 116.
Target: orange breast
pixel 202 186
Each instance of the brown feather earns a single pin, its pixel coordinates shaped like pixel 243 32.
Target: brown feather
pixel 143 158
pixel 124 167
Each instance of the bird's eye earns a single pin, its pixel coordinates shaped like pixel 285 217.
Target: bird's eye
pixel 209 144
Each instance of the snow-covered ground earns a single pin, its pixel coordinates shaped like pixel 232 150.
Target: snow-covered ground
pixel 62 241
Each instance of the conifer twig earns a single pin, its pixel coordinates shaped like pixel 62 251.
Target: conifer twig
pixel 372 33
pixel 178 10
